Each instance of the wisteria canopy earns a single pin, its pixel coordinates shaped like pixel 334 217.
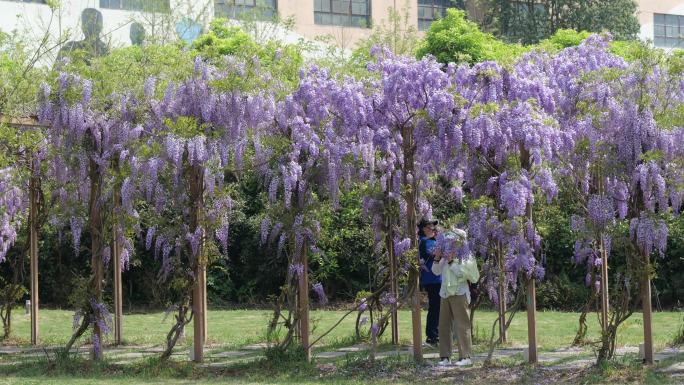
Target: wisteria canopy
pixel 507 138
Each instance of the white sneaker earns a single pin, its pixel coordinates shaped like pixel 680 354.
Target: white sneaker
pixel 464 362
pixel 444 362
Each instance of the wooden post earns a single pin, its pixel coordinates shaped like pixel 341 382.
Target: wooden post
pixel 531 288
pixel 646 304
pixel 395 294
pixel 118 291
pixel 33 251
pixel 198 322
pixel 197 308
pixel 199 284
pixel 410 180
pixel 304 304
pixel 204 300
pixel 416 320
pixel 604 266
pixel 392 260
pixel 98 269
pixel 31 122
pixel 532 321
pixel 604 288
pixel 96 243
pixel 502 294
pixel 502 314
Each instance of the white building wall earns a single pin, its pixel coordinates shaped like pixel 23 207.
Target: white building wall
pixel 647 10
pixel 34 19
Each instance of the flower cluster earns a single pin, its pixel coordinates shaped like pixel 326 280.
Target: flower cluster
pixel 13 204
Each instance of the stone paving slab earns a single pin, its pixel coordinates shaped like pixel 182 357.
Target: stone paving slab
pixel 156 349
pixel 330 354
pixel 575 364
pixel 229 354
pixel 569 349
pixel 259 346
pixel 9 363
pixel 668 353
pixel 626 349
pixel 226 364
pixel 50 353
pixel 13 350
pixel 220 364
pixel 355 348
pixel 657 357
pixel 677 368
pixel 392 353
pixel 130 355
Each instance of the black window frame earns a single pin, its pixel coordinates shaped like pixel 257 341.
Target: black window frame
pixel 136 5
pixel 437 10
pixel 668 30
pixel 234 9
pixel 327 12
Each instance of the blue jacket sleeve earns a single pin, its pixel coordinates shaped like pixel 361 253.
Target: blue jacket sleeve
pixel 422 249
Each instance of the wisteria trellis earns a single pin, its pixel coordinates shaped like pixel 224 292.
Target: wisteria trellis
pixel 503 136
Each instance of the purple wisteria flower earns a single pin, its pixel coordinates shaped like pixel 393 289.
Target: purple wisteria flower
pixel 388 299
pixel 318 288
pixel 296 269
pixel 363 304
pixel 374 329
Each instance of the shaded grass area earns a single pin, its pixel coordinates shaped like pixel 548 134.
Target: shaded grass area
pixel 236 328
pixel 353 369
pixel 153 371
pixel 229 330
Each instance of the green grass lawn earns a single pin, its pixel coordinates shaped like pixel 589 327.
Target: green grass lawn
pixel 236 328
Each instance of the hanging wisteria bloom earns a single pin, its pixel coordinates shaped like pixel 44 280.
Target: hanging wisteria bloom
pixel 13 204
pixel 320 292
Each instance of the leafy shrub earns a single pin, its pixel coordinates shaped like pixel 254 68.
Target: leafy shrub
pixel 458 40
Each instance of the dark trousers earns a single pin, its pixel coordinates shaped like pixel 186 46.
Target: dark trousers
pixel 432 324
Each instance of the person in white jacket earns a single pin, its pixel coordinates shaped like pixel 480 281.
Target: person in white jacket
pixel 456 271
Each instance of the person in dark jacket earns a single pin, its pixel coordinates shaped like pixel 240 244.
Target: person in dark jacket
pixel 430 282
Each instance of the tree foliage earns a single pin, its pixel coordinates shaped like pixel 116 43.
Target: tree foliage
pixel 458 40
pixel 530 21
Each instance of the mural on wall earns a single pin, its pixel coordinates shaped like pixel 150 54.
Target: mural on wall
pixel 137 34
pixel 91 45
pixel 188 30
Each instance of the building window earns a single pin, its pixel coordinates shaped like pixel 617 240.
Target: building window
pixel 431 10
pixel 668 31
pixel 161 6
pixel 346 13
pixel 234 9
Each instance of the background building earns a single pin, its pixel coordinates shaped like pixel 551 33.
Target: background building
pixel 344 22
pixel 662 21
